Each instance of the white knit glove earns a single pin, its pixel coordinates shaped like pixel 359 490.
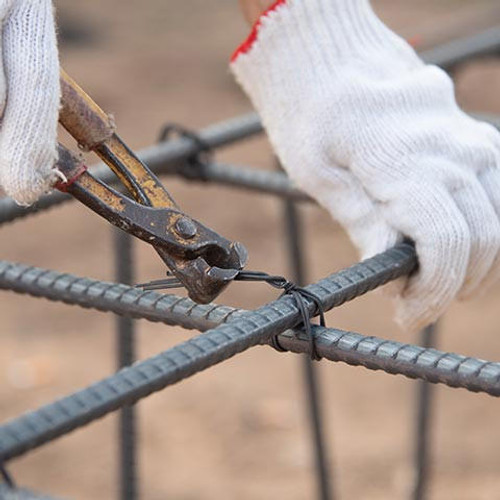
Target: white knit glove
pixel 29 98
pixel 375 135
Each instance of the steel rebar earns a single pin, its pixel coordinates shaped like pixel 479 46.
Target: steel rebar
pixel 167 157
pixel 130 384
pixel 7 493
pixel 455 52
pixel 423 424
pixel 214 346
pixel 453 370
pixel 297 264
pixel 111 297
pixel 125 341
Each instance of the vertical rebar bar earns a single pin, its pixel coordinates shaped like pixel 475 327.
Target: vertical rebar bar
pixel 298 276
pixel 125 329
pixel 5 477
pixel 422 440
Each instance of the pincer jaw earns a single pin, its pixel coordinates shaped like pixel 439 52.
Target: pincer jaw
pixel 204 281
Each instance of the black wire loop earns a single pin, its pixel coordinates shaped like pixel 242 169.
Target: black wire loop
pixel 6 477
pixel 195 166
pixel 300 295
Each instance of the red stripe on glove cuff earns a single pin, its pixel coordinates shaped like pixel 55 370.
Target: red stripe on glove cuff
pixel 248 43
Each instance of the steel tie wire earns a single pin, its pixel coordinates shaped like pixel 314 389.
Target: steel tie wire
pixel 456 366
pixel 131 384
pixel 249 329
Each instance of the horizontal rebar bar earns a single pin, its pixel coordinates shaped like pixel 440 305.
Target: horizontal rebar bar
pixel 112 297
pixel 167 157
pixel 210 348
pixel 457 51
pixel 453 370
pixel 253 179
pixel 262 181
pixel 173 310
pixel 7 493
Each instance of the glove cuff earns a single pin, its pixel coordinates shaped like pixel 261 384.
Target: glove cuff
pixel 246 46
pixel 308 41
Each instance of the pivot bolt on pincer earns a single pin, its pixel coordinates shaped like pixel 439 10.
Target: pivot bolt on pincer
pixel 186 228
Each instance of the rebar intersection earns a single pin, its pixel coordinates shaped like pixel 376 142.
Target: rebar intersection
pixel 230 331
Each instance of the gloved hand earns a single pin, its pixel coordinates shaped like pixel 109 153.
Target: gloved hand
pixel 375 135
pixel 29 98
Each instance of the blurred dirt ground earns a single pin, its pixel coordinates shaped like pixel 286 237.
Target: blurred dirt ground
pixel 238 430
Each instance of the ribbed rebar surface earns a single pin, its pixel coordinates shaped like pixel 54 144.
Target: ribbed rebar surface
pixel 126 335
pixel 249 329
pixel 111 297
pixel 243 329
pixel 412 361
pixel 182 311
pixel 7 493
pixel 246 329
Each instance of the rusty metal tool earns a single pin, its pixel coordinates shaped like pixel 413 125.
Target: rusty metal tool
pixel 200 259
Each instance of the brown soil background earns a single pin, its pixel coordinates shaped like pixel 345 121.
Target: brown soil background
pixel 238 430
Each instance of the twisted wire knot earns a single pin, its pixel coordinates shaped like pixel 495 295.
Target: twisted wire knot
pixel 195 166
pixel 301 297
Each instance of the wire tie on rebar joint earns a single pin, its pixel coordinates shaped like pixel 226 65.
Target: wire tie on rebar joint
pixel 195 166
pixel 300 295
pixel 6 477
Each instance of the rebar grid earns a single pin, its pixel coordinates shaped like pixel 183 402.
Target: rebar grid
pixel 249 329
pixel 174 310
pixel 169 158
